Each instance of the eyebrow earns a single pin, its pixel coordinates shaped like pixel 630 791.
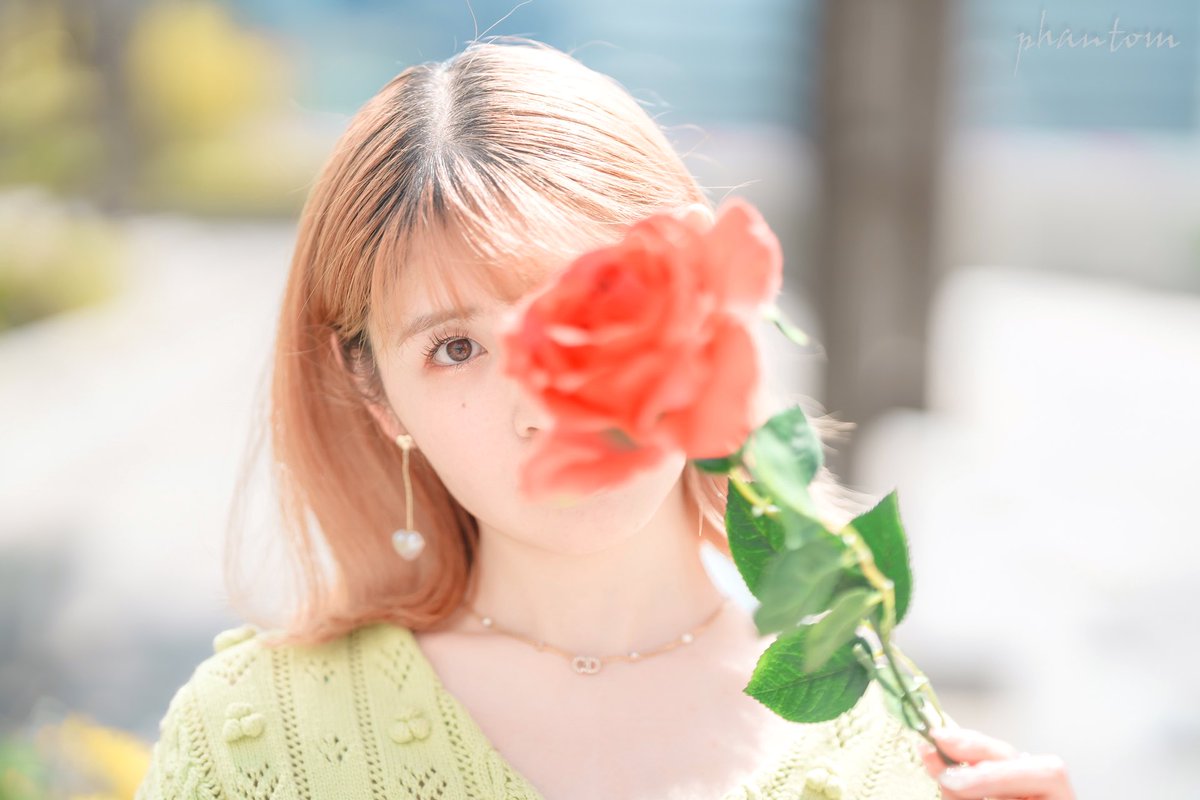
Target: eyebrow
pixel 424 322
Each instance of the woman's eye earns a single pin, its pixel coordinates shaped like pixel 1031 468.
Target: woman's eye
pixel 457 349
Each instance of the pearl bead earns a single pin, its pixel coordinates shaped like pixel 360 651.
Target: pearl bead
pixel 487 622
pixel 687 638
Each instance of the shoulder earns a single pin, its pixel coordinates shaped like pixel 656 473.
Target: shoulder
pixel 255 689
pixel 864 754
pixel 309 720
pixel 891 765
pixel 259 713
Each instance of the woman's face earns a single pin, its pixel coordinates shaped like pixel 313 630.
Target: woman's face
pixel 475 426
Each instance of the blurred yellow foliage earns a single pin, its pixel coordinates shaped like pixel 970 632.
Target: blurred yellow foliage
pixel 193 73
pixel 117 761
pixel 191 116
pixel 54 256
pixel 47 100
pixel 75 759
pixel 262 166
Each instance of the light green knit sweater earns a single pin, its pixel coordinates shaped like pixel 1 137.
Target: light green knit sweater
pixel 365 716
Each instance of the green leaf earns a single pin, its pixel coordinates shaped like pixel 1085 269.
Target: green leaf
pixel 799 529
pixel 753 539
pixel 883 533
pixel 838 627
pixel 785 455
pixel 719 466
pixel 798 583
pixel 798 696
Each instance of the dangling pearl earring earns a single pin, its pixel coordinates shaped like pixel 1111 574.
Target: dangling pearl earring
pixel 408 542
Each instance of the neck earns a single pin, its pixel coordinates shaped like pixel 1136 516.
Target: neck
pixel 637 593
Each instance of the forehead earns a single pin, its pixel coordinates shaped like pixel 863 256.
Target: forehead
pixel 436 277
pixel 437 263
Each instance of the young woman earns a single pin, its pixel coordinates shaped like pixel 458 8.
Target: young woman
pixel 449 640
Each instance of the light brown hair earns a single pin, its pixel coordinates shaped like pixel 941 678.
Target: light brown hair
pixel 491 165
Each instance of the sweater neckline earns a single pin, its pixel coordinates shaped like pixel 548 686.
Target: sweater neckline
pixel 772 766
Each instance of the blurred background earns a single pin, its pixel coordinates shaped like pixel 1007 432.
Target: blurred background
pixel 990 211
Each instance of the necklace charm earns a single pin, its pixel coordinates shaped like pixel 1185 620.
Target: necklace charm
pixel 585 665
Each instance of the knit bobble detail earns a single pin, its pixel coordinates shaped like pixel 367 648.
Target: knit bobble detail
pixel 229 638
pixel 411 725
pixel 242 721
pixel 824 781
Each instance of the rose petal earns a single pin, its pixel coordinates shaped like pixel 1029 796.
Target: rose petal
pixel 581 463
pixel 722 416
pixel 745 261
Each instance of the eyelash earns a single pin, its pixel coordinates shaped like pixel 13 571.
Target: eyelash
pixel 438 339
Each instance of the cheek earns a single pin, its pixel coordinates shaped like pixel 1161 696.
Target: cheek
pixel 462 436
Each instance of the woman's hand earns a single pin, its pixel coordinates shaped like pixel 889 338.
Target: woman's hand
pixel 995 769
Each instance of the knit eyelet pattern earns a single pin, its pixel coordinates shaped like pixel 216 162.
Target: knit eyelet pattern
pixel 365 717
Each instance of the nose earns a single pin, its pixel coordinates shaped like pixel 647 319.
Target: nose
pixel 529 415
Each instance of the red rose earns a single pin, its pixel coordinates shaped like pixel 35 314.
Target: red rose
pixel 644 346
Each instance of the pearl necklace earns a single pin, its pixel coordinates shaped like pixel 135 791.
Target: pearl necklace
pixel 590 665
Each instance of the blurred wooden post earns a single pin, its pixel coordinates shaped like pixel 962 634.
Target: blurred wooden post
pixel 879 122
pixel 103 29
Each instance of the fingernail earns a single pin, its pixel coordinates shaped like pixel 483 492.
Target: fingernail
pixel 944 734
pixel 954 778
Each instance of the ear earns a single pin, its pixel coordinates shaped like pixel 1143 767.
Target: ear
pixel 383 415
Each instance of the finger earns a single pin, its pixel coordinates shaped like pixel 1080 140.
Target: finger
pixel 1041 776
pixel 934 765
pixel 971 746
pixel 929 756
